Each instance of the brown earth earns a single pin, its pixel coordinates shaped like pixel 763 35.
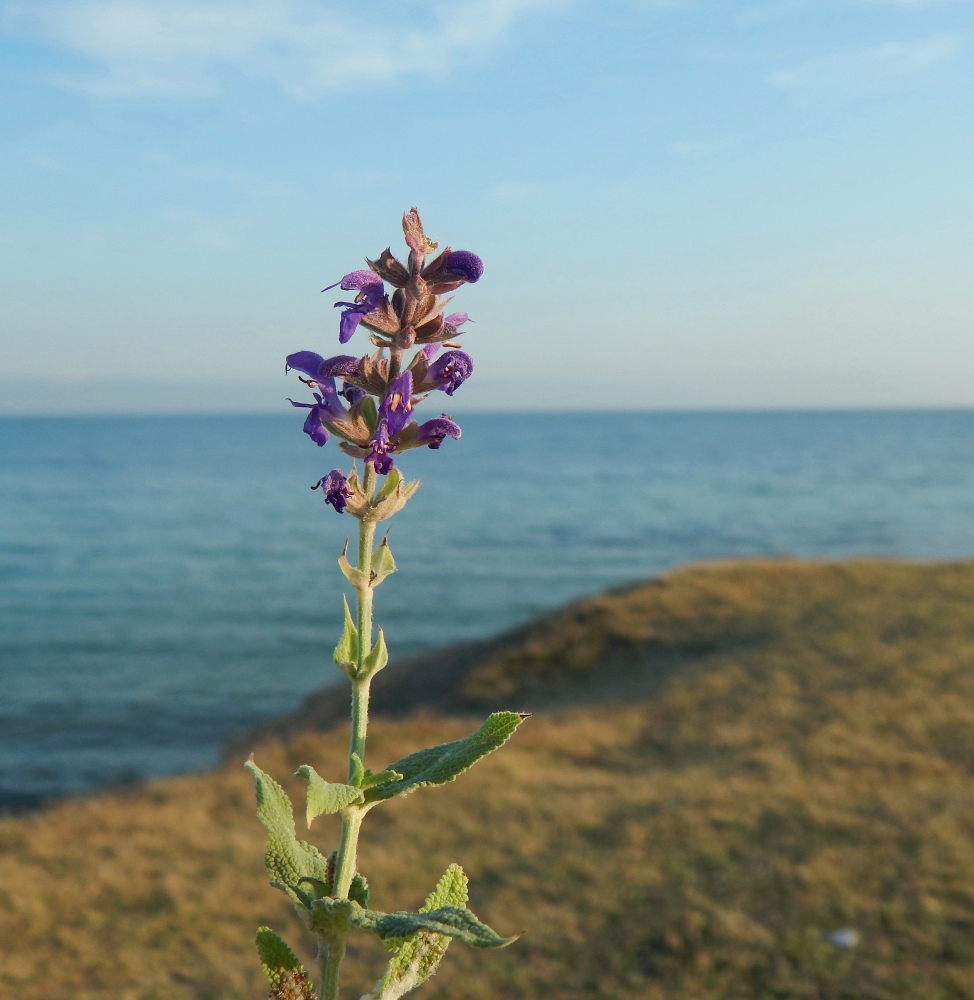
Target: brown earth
pixel 725 765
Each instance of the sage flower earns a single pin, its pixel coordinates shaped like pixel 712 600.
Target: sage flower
pixel 334 489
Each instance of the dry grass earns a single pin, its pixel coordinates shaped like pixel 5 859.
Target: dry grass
pixel 809 766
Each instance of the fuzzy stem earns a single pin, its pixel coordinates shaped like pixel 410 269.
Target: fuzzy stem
pixel 334 953
pixel 352 816
pixel 345 867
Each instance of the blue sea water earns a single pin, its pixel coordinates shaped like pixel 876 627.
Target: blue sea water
pixel 166 582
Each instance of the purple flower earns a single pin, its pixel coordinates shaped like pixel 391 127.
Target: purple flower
pixel 334 489
pixel 327 407
pixel 370 296
pixel 463 265
pixel 434 431
pixel 451 371
pixel 352 393
pixel 381 446
pixel 397 405
pixel 456 320
pixel 316 367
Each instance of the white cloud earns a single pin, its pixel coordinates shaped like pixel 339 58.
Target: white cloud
pixel 878 64
pixel 306 46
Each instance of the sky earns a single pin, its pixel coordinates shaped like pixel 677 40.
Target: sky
pixel 679 203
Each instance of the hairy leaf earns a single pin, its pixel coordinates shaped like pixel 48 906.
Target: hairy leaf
pixel 454 921
pixel 440 764
pixel 358 891
pixel 378 657
pixel 369 779
pixel 354 576
pixel 276 957
pixel 358 771
pixel 393 479
pixel 324 796
pixel 418 957
pixel 294 986
pixel 288 859
pixel 347 649
pixel 339 916
pixel 383 564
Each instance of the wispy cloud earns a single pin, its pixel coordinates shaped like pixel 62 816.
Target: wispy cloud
pixel 188 47
pixel 878 64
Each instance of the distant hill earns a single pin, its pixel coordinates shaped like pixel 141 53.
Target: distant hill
pixel 726 765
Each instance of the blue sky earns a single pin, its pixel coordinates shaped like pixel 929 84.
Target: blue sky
pixel 678 203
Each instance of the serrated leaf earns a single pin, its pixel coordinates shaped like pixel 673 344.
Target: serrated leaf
pixel 451 890
pixel 453 921
pixel 440 764
pixel 276 958
pixel 358 891
pixel 378 657
pixel 288 859
pixel 418 958
pixel 383 564
pixel 347 649
pixel 369 779
pixel 325 797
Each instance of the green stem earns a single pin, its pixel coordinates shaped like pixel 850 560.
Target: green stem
pixel 334 953
pixel 345 866
pixel 353 815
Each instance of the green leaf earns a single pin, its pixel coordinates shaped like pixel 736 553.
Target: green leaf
pixel 346 652
pixel 276 958
pixel 368 411
pixel 378 657
pixel 443 763
pixel 453 921
pixel 354 576
pixel 339 916
pixel 417 959
pixel 288 859
pixel 324 796
pixel 358 891
pixel 393 479
pixel 383 564
pixel 358 771
pixel 369 779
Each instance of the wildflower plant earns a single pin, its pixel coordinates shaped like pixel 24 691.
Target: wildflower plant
pixel 371 415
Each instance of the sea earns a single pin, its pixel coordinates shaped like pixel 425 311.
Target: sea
pixel 166 582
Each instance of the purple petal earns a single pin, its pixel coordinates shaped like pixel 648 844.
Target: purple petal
pixel 360 279
pixel 451 370
pixel 312 427
pixel 434 431
pixel 334 489
pixel 304 361
pixel 343 366
pixel 464 265
pixel 457 319
pixel 429 351
pixel 349 324
pixel 352 393
pixel 379 455
pixel 397 405
pixel 330 401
